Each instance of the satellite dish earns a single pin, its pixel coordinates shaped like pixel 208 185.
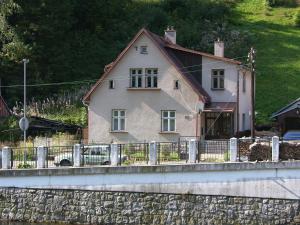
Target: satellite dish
pixel 199 107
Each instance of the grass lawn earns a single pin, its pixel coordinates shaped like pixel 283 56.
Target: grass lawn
pixel 278 54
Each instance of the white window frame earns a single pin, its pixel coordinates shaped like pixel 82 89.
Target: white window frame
pixel 153 76
pixel 219 77
pixel 134 75
pixel 168 118
pixel 119 119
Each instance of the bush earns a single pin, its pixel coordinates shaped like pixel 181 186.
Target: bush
pixel 289 151
pixel 274 3
pixel 297 19
pixel 260 152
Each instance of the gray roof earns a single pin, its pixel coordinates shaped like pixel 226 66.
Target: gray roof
pixel 293 105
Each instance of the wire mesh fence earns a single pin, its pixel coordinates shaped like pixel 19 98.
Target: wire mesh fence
pixel 213 150
pixel 133 153
pixel 172 152
pixel 95 155
pixel 59 156
pixel 258 149
pixel 22 158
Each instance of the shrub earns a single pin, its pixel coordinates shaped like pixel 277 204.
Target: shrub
pixel 260 152
pixel 297 19
pixel 274 3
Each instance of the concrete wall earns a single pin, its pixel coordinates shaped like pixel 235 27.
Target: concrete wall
pixel 143 107
pixel 106 208
pixel 265 180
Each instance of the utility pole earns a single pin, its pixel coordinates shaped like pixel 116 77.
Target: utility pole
pixel 251 60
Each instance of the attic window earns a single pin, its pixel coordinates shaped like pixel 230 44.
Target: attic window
pixel 176 84
pixel 111 84
pixel 144 49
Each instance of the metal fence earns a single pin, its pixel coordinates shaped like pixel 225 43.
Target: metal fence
pixel 59 156
pixel 213 150
pixel 133 154
pixel 172 152
pixel 24 157
pixel 95 155
pixel 261 149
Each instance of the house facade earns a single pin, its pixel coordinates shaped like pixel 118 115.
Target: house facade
pixel 158 90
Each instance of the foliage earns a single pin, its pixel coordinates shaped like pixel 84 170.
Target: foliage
pixel 272 3
pixel 24 166
pixel 297 18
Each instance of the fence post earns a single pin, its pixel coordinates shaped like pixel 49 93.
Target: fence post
pixel 114 154
pixel 275 149
pixel 77 155
pixel 41 157
pixel 233 149
pixel 6 158
pixel 192 151
pixel 152 153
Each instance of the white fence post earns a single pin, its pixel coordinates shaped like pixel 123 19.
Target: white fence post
pixel 6 158
pixel 275 149
pixel 77 155
pixel 41 157
pixel 233 149
pixel 152 153
pixel 114 152
pixel 192 151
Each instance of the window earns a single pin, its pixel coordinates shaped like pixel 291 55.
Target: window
pixel 118 120
pixel 151 78
pixel 111 84
pixel 136 76
pixel 143 50
pixel 168 120
pixel 217 81
pixel 176 84
pixel 244 82
pixel 243 121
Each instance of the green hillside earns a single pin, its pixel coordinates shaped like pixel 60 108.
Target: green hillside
pixel 72 40
pixel 277 41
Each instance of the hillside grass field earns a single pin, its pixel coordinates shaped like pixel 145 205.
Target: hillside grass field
pixel 278 54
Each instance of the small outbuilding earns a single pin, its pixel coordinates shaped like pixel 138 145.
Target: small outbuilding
pixel 288 117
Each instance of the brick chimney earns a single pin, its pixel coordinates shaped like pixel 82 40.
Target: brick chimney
pixel 219 48
pixel 170 34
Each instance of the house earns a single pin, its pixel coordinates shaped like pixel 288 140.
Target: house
pixel 159 90
pixel 288 117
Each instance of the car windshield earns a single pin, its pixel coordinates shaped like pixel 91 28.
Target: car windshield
pixel 96 150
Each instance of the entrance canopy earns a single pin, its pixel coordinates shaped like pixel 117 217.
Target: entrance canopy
pixel 220 107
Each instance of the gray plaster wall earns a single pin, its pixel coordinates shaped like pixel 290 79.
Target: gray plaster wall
pixel 97 207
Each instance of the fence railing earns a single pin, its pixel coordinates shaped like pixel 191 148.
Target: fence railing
pixel 172 152
pixel 180 152
pixel 258 149
pixel 213 151
pixel 24 157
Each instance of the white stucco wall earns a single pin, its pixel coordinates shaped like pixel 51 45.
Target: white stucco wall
pixel 143 107
pixel 245 100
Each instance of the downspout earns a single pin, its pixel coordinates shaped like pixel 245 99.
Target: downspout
pixel 86 105
pixel 238 102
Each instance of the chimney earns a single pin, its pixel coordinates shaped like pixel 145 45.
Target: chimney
pixel 170 34
pixel 219 48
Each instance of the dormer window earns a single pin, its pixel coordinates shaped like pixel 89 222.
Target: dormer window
pixel 136 76
pixel 151 78
pixel 144 49
pixel 111 84
pixel 217 79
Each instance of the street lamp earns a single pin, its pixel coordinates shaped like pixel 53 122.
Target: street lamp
pixel 25 121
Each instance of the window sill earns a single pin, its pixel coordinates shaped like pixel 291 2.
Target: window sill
pixel 217 89
pixel 118 131
pixel 143 89
pixel 168 132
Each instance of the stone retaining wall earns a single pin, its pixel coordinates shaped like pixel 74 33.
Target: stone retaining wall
pixel 96 207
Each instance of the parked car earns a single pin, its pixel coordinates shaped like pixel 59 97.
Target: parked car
pixel 292 135
pixel 91 155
